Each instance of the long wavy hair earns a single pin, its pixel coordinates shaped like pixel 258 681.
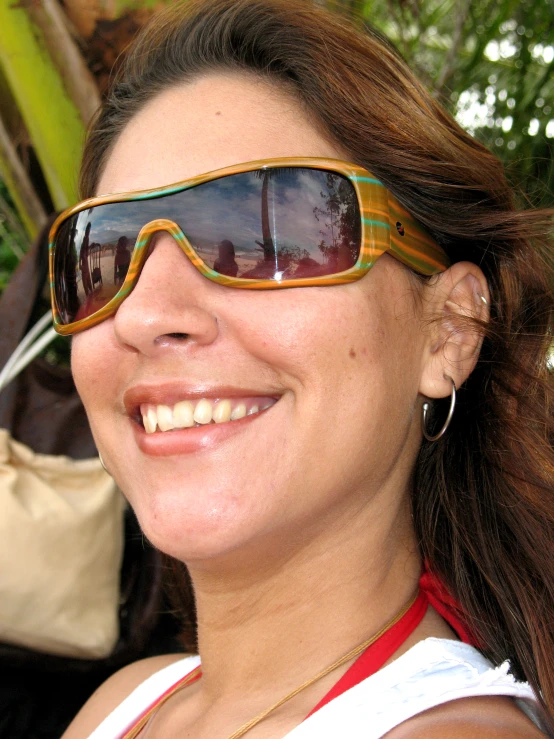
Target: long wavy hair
pixel 483 495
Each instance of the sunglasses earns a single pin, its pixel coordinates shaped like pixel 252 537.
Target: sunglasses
pixel 275 223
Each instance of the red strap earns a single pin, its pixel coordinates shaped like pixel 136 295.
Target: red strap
pixel 445 605
pixel 379 652
pixel 432 592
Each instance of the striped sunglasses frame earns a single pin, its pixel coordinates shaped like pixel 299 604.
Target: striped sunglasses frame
pixel 386 227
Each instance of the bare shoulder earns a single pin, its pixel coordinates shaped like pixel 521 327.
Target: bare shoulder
pixel 111 693
pixel 487 718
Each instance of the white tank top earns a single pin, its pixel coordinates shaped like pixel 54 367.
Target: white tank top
pixel 432 672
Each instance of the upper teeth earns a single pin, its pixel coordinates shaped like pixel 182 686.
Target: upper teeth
pixel 187 413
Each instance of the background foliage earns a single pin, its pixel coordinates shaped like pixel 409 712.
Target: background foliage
pixel 491 64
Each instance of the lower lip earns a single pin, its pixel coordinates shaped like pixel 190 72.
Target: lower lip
pixel 191 440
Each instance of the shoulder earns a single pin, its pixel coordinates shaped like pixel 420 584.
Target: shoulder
pixel 111 693
pixel 461 695
pixel 486 717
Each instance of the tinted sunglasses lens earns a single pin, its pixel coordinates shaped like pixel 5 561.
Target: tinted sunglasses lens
pixel 275 224
pixel 279 224
pixel 92 255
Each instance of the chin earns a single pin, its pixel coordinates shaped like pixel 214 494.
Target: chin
pixel 192 523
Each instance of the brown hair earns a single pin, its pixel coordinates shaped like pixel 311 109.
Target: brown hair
pixel 483 496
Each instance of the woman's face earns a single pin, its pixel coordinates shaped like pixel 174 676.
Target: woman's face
pixel 339 366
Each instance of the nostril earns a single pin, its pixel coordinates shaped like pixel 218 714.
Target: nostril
pixel 177 335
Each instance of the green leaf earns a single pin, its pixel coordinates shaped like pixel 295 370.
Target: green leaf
pixel 52 119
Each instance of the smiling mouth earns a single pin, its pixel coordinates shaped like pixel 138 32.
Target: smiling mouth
pixel 189 414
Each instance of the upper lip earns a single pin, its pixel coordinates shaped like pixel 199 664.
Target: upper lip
pixel 170 393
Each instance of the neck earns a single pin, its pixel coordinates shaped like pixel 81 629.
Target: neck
pixel 289 612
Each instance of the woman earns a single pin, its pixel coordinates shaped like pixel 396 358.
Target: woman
pixel 271 439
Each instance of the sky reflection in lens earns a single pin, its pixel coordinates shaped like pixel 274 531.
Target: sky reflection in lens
pixel 279 223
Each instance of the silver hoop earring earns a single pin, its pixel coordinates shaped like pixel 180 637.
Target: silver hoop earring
pixel 426 407
pixel 102 463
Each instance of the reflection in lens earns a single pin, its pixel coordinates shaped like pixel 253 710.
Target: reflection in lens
pixel 281 223
pixel 92 257
pixel 226 263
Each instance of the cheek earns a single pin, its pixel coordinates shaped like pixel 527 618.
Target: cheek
pixel 85 374
pixel 349 358
pixel 93 362
pixel 308 332
pixel 338 347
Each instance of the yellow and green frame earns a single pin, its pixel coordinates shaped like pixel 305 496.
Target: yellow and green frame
pixel 386 227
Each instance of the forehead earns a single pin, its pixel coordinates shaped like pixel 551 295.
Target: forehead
pixel 212 122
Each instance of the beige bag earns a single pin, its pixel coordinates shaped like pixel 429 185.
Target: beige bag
pixel 61 544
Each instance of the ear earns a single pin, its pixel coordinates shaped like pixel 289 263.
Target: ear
pixel 452 302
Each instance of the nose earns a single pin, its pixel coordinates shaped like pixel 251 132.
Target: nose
pixel 169 304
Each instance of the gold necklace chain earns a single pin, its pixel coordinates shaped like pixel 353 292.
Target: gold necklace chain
pixel 347 657
pixel 140 725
